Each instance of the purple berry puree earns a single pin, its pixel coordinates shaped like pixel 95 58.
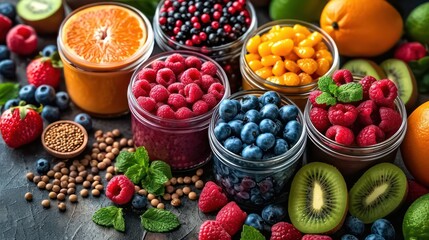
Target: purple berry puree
pixel 183 151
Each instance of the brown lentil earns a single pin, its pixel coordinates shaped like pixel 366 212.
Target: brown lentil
pixel 109 149
pixel 64 184
pixel 98 133
pixel 109 140
pixel 49 186
pixel 64 171
pixel 199 184
pixel 56 182
pixel 166 196
pixel 195 178
pixel 71 185
pixel 142 192
pixel 63 190
pixel 186 190
pixel 115 151
pixel 136 188
pixel 52 195
pixel 37 179
pixel 180 180
pixel 100 139
pixel 71 191
pixel 116 145
pixel 30 176
pixel 73 174
pixel 99 187
pixel 58 175
pixel 86 184
pixel 50 173
pixel 93 163
pixel 110 169
pixel 187 180
pixel 57 167
pixel 175 202
pixel 108 134
pixel 41 185
pixel 85 161
pixel 94 170
pixel 56 188
pixel 154 202
pixel 123 142
pixel 62 206
pixel 64 137
pixel 95 183
pixel 199 172
pixel 94 156
pixel 79 179
pixel 192 196
pixel 87 157
pixel 61 196
pixel 97 178
pixel 83 174
pixel 160 205
pixel 100 156
pixel 45 179
pixel 90 177
pixel 116 132
pixel 130 143
pixel 173 181
pixel 76 163
pixel 81 168
pixel 73 198
pixel 175 195
pixel 102 146
pixel 150 197
pixel 64 178
pixel 84 193
pixel 107 161
pixel 179 192
pixel 170 189
pixel 28 196
pixel 109 176
pixel 110 156
pixel 95 192
pixel 46 203
pixel 72 180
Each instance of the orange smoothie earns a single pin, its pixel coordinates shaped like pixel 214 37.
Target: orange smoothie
pixel 100 46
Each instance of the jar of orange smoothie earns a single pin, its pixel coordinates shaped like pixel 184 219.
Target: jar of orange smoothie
pixel 101 45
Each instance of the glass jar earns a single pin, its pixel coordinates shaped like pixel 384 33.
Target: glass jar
pixel 181 143
pixel 100 88
pixel 226 55
pixel 256 183
pixel 298 94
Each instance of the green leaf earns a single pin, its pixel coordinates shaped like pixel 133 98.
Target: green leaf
pixel 135 173
pixel 326 98
pixel 56 60
pixel 326 84
pixel 251 233
pixel 142 157
pixel 152 184
pixel 125 160
pixel 119 221
pixel 350 92
pixel 110 216
pixel 159 220
pixel 8 91
pixel 158 176
pixel 420 66
pixel 163 167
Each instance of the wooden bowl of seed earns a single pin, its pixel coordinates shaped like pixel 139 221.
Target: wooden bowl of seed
pixel 64 139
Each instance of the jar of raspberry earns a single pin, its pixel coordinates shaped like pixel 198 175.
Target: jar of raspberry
pixel 171 98
pixel 288 56
pixel 214 28
pixel 255 183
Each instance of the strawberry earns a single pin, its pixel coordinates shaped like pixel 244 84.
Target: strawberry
pixel 211 198
pixel 415 190
pixel 212 230
pixel 45 70
pixel 286 231
pixel 231 217
pixel 21 125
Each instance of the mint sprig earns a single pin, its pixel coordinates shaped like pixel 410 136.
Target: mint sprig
pixel 159 220
pixel 140 170
pixel 331 93
pixel 110 217
pixel 251 233
pixel 8 91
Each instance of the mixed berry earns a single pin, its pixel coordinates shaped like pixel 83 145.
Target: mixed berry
pixel 204 23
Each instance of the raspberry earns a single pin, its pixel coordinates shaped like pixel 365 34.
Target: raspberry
pixel 175 62
pixel 193 93
pixel 165 77
pixel 342 114
pixel 390 122
pixel 147 74
pixel 206 81
pixel 141 88
pixel 209 68
pixel 159 93
pixel 312 97
pixel 342 76
pixel 210 100
pixel 366 83
pixel 21 39
pixel 120 189
pixel 184 113
pixel 415 190
pixel 146 103
pixel 231 218
pixel 319 118
pixel 193 62
pixel 177 87
pixel 189 76
pixel 176 100
pixel 157 65
pixel 217 89
pixel 165 111
pixel 315 237
pixel 284 230
pixel 212 230
pixel 200 107
pixel 368 113
pixel 340 134
pixel 369 135
pixel 383 92
pixel 211 198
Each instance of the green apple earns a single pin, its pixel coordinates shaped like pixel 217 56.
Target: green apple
pixel 306 10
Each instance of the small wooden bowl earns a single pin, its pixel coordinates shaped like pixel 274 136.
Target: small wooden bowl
pixel 65 155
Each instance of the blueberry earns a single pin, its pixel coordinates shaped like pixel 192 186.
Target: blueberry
pixel 84 120
pixel 248 183
pixel 255 221
pixel 11 103
pixel 8 68
pixel 249 102
pixel 249 133
pixel 273 213
pixel 233 144
pixel 268 154
pixel 239 116
pixel 292 131
pixel 383 228
pixel 139 202
pixel 281 146
pixel 49 50
pixel 236 126
pixel 237 105
pixel 269 111
pixel 270 97
pixel 349 237
pixel 62 100
pixel 222 131
pixel 265 185
pixel 27 93
pixel 354 226
pixel 288 113
pixel 8 10
pixel 252 152
pixel 257 199
pixel 42 166
pixel 45 94
pixel 265 141
pixel 374 237
pixel 50 113
pixel 228 109
pixel 252 116
pixel 268 126
pixel 268 195
pixel 4 52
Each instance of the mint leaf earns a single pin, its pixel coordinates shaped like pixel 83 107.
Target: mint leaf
pixel 110 216
pixel 163 167
pixel 326 98
pixel 152 184
pixel 135 173
pixel 326 84
pixel 158 176
pixel 159 220
pixel 125 160
pixel 350 92
pixel 251 233
pixel 119 221
pixel 8 91
pixel 142 157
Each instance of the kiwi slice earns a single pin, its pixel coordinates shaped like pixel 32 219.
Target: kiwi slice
pixel 378 192
pixel 318 199
pixel 399 72
pixel 364 67
pixel 43 15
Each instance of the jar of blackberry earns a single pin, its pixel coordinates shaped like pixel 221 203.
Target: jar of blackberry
pixel 211 27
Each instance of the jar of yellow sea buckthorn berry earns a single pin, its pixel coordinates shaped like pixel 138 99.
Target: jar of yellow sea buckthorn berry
pixel 288 56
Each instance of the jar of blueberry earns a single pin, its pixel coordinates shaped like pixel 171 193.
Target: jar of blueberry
pixel 258 139
pixel 214 28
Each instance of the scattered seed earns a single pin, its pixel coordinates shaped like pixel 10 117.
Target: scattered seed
pixel 179 192
pixel 85 161
pixel 72 180
pixel 102 146
pixel 62 206
pixel 110 169
pixel 84 193
pixel 64 171
pixel 99 187
pixel 199 184
pixel 115 151
pixel 175 195
pixel 195 178
pixel 30 176
pixel 130 143
pixel 49 186
pixel 90 177
pixel 46 203
pixel 192 196
pixel 95 192
pixel 79 179
pixel 56 182
pixel 73 198
pixel 73 174
pixel 187 180
pixel 71 185
pixel 175 202
pixel 64 184
pixel 101 165
pixel 52 195
pixel 142 192
pixel 199 172
pixel 56 188
pixel 71 191
pixel 37 179
pixel 116 132
pixel 107 161
pixel 186 190
pixel 150 197
pixel 97 178
pixel 61 196
pixel 41 185
pixel 180 180
pixel 109 140
pixel 63 190
pixel 108 176
pixel 28 196
pixel 166 196
pixel 98 133
pixel 154 202
pixel 160 205
pixel 123 142
pixel 95 183
pixel 170 189
pixel 136 188
pixel 64 178
pixel 173 181
pixel 94 170
pixel 58 175
pixel 50 173
pixel 131 149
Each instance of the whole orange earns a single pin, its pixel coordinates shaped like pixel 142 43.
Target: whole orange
pixel 362 28
pixel 415 146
